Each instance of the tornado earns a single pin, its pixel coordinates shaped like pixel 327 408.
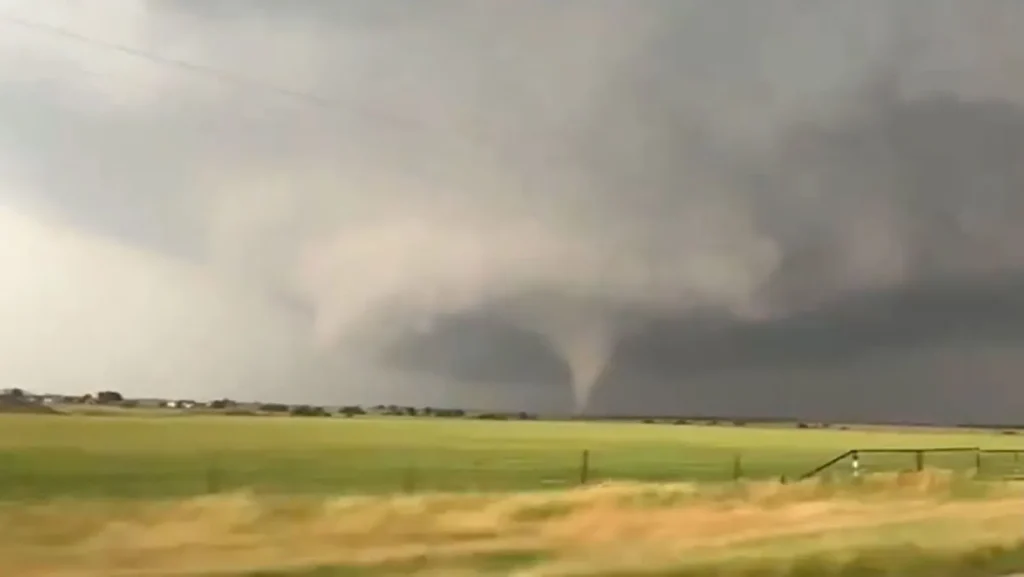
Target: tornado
pixel 582 332
pixel 586 349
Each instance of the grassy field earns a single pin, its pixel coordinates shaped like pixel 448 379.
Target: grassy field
pixel 190 496
pixel 911 525
pixel 149 457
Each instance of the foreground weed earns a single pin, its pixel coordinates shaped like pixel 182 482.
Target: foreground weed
pixel 614 529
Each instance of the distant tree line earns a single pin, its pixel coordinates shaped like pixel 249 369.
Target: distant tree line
pixel 231 407
pixel 350 411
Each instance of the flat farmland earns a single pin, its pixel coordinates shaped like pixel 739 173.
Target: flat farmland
pixel 141 456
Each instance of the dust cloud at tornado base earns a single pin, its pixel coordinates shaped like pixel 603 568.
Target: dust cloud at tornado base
pixel 698 206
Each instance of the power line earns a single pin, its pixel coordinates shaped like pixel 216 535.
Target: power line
pixel 207 71
pixel 464 144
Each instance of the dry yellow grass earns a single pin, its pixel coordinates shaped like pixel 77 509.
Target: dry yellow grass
pixel 589 531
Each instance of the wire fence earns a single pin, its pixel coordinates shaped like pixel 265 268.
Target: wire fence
pixel 982 463
pixel 73 474
pixel 68 474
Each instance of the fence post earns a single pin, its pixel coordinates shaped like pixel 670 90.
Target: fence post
pixel 855 463
pixel 919 457
pixel 212 480
pixel 737 466
pixel 977 461
pixel 584 466
pixel 409 480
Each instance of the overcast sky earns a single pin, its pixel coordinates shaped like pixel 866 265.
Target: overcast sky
pixel 754 206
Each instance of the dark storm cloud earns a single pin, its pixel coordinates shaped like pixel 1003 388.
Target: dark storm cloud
pixel 725 199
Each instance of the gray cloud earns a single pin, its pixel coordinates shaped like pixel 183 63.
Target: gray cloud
pixel 528 177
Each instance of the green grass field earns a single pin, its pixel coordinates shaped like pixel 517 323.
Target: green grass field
pixel 156 494
pixel 148 457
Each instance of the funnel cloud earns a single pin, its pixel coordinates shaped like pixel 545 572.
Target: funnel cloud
pixel 762 208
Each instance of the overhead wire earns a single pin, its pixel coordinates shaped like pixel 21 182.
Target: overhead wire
pixel 211 72
pixel 465 143
pixel 411 148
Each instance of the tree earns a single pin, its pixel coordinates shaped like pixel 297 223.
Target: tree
pixel 274 408
pixel 351 411
pixel 108 397
pixel 449 413
pixel 308 411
